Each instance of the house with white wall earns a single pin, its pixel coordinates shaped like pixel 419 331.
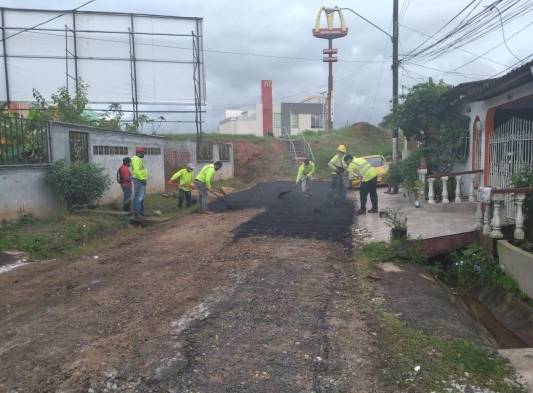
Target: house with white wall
pixel 501 125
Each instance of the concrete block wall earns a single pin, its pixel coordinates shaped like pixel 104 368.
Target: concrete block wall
pixel 23 189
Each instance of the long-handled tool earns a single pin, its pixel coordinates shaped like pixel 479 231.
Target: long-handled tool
pixel 283 194
pixel 222 198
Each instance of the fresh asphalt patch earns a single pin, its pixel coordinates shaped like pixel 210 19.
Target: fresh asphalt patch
pixel 293 215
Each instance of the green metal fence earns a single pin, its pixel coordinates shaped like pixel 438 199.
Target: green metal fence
pixel 24 141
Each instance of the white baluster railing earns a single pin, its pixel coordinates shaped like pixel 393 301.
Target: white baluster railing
pixel 492 226
pixel 471 177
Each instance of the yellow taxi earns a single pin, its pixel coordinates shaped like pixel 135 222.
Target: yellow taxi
pixel 381 165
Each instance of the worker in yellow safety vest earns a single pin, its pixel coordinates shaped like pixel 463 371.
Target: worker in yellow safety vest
pixel 184 178
pixel 338 177
pixel 139 174
pixel 203 182
pixel 358 166
pixel 305 172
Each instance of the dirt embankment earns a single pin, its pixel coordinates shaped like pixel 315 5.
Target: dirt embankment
pixel 261 161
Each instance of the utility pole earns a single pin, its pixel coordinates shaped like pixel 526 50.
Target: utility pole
pixel 395 66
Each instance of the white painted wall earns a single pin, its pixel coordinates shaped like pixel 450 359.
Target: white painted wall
pixel 481 108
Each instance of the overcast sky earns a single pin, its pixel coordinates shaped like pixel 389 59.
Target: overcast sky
pixel 283 28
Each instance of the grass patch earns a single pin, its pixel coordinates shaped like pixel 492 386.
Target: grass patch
pixel 66 235
pixel 75 234
pixel 213 137
pixel 445 365
pixel 417 362
pixel 361 139
pixel 395 251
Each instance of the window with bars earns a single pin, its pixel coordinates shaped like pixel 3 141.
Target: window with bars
pixel 152 151
pixel 110 150
pixel 205 152
pixel 224 152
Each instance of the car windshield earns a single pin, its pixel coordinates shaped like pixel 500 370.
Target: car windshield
pixel 375 161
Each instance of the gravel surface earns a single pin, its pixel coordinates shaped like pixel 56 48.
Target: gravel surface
pixel 258 299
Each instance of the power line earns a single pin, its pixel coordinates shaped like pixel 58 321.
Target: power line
pixel 217 51
pixel 491 49
pixel 442 28
pixel 474 28
pixel 49 20
pixel 503 33
pixel 461 49
pixel 512 66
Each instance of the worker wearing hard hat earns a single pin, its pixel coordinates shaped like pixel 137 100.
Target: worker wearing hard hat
pixel 203 183
pixel 358 166
pixel 338 176
pixel 305 172
pixel 184 178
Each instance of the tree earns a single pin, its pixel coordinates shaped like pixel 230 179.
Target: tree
pixel 433 110
pixel 64 107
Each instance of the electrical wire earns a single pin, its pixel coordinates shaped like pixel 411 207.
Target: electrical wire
pixel 216 51
pixel 49 20
pixel 503 33
pixel 461 49
pixel 473 28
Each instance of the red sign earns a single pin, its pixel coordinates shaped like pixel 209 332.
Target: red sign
pixel 329 51
pixel 266 100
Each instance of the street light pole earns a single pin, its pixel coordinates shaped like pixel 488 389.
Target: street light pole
pixel 395 66
pixel 329 120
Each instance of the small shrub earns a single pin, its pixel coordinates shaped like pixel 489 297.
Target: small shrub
pixel 80 183
pixel 472 269
pixel 397 221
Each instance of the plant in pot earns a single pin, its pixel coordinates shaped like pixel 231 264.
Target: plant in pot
pixel 397 221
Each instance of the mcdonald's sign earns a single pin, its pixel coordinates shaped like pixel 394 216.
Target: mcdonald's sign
pixel 330 31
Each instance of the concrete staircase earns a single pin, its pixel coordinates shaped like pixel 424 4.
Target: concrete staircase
pixel 296 149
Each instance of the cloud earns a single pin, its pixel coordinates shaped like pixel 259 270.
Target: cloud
pixel 283 28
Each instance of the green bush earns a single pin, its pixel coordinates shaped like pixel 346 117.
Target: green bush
pixel 80 183
pixel 472 269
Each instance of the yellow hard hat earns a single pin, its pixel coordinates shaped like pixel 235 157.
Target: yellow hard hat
pixel 341 148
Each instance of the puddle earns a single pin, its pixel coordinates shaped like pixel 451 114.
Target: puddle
pixel 505 338
pixel 7 268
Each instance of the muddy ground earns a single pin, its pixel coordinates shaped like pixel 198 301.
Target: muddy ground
pixel 259 298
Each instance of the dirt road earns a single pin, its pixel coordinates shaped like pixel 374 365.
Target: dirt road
pixel 259 298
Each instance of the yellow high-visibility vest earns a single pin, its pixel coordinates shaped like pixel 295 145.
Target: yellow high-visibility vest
pixel 138 171
pixel 206 175
pixel 305 170
pixel 360 166
pixel 184 177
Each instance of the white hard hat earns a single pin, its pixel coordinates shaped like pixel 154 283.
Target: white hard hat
pixel 190 165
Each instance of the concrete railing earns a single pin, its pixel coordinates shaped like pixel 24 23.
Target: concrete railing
pixel 490 218
pixel 471 177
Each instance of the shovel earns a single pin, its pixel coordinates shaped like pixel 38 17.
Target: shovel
pixel 223 199
pixel 282 194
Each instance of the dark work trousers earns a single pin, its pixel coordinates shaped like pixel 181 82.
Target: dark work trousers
pixel 184 195
pixel 369 187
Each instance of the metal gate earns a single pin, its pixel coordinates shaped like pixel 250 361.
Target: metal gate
pixel 511 151
pixel 79 146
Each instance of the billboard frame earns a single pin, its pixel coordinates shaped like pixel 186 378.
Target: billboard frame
pixel 71 54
